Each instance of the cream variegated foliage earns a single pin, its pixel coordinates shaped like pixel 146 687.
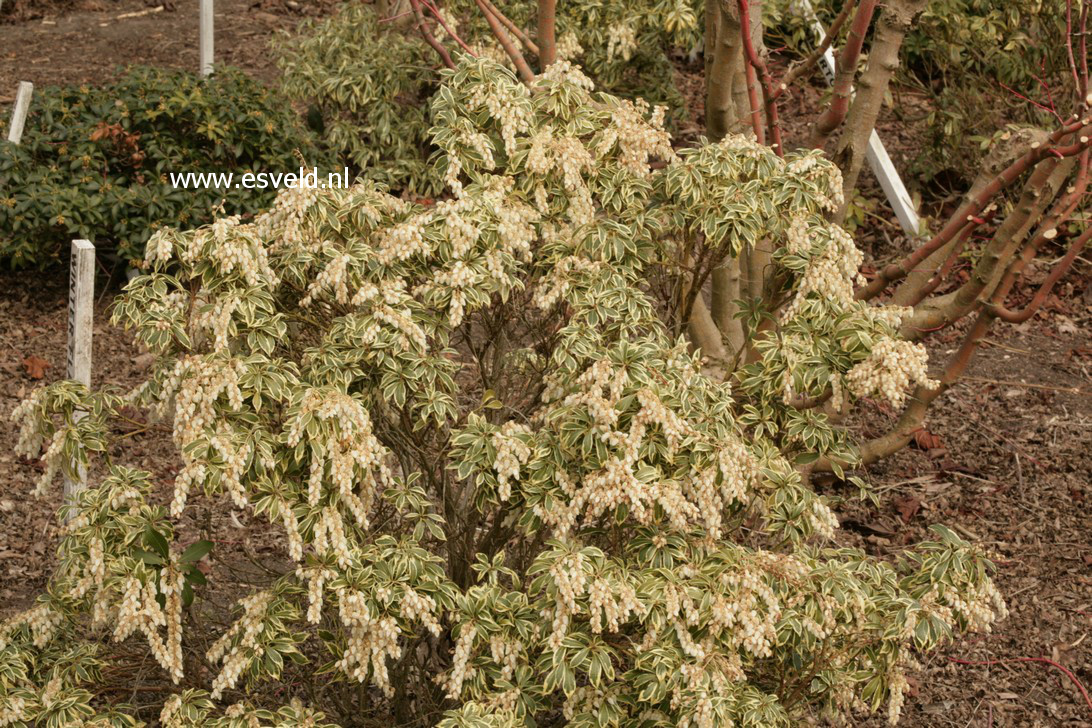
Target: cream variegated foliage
pixel 503 487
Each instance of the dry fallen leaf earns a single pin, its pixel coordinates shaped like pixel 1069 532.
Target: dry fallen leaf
pixel 35 366
pixel 927 440
pixel 907 507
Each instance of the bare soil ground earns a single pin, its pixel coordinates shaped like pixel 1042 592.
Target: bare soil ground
pixel 1009 463
pixel 85 41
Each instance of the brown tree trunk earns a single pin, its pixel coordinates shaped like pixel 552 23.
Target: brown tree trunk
pixel 725 72
pixel 725 288
pixel 883 61
pixel 547 33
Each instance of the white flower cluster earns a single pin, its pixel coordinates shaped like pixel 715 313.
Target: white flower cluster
pixel 568 46
pixel 585 699
pixel 27 416
pixel 390 300
pixel 13 710
pixel 238 647
pixel 405 240
pixel 891 366
pixel 568 156
pixel 347 450
pixel 979 604
pixel 371 640
pixel 512 452
pixel 610 603
pixel 228 245
pixel 751 614
pixel 559 280
pixel 286 222
pixel 696 500
pixel 139 610
pixel 315 577
pixel 481 145
pixel 508 102
pixel 196 385
pixel 813 167
pixel 333 277
pixel 832 271
pixel 42 620
pixel 897 687
pixel 621 41
pixel 421 608
pixel 570 581
pixel 216 318
pixel 563 72
pixel 821 519
pixel 461 669
pixel 329 537
pixel 732 478
pixel 637 135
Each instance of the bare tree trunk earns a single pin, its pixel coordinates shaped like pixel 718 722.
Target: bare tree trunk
pixel 725 72
pixel 547 33
pixel 726 292
pixel 704 333
pixel 883 61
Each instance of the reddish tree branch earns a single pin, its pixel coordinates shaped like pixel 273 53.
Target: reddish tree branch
pixel 973 207
pixel 1059 270
pixel 1084 55
pixel 798 70
pixel 946 268
pixel 765 80
pixel 755 104
pixel 429 37
pixel 547 32
pixel 848 59
pixel 447 28
pixel 511 26
pixel 509 47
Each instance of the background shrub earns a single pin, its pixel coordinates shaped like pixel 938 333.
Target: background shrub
pixel 368 82
pixel 368 92
pixel 93 162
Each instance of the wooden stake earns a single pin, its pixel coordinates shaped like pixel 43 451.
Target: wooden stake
pixel 19 113
pixel 206 39
pixel 81 301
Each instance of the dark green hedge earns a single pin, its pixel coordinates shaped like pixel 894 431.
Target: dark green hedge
pixel 94 162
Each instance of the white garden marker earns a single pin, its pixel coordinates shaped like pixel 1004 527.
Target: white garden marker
pixel 19 114
pixel 81 301
pixel 876 154
pixel 205 45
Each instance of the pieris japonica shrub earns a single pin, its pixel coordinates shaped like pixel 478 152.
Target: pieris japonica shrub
pixel 503 485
